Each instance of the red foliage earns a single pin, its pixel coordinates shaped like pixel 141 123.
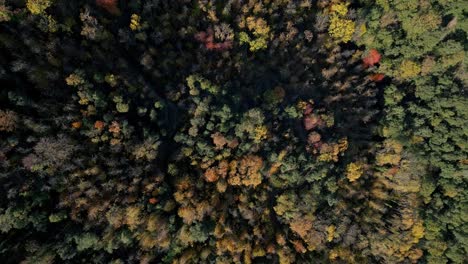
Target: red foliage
pixel 109 5
pixel 372 59
pixel 153 200
pixel 207 38
pixel 377 77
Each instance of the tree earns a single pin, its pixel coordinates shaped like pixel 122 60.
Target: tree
pixel 372 58
pixel 38 7
pixel 8 120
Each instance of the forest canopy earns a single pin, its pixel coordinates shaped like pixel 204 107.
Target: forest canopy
pixel 236 131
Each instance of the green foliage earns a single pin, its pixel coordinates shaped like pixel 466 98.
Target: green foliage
pixel 86 241
pixel 54 218
pixel 196 82
pixel 120 105
pixel 12 218
pixel 425 106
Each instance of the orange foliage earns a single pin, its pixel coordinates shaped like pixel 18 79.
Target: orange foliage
pixel 214 173
pixel 246 172
pixel 114 127
pixel 211 175
pixel 241 172
pixel 76 124
pixel 298 246
pixel 301 226
pixel 99 125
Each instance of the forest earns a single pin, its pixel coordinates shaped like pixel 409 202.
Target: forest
pixel 233 131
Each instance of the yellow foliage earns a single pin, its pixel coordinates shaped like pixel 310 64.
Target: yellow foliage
pixel 258 251
pixel 258 26
pixel 260 133
pixel 407 219
pixel 379 193
pixel 391 154
pixel 343 144
pixel 153 223
pixel 285 256
pixel 362 29
pixel 354 171
pixel 340 8
pixel 84 99
pixel 133 218
pixel 74 80
pixel 230 244
pixel 301 105
pixel 394 145
pixel 341 29
pixel 188 214
pixel 387 158
pixel 330 232
pixel 343 254
pixel 135 22
pixel 417 231
pixel 409 69
pixel 333 255
pixel 260 30
pixel 282 154
pixel 147 240
pixel 37 7
pixel 330 152
pixel 275 166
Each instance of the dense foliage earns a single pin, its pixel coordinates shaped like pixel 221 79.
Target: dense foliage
pixel 237 131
